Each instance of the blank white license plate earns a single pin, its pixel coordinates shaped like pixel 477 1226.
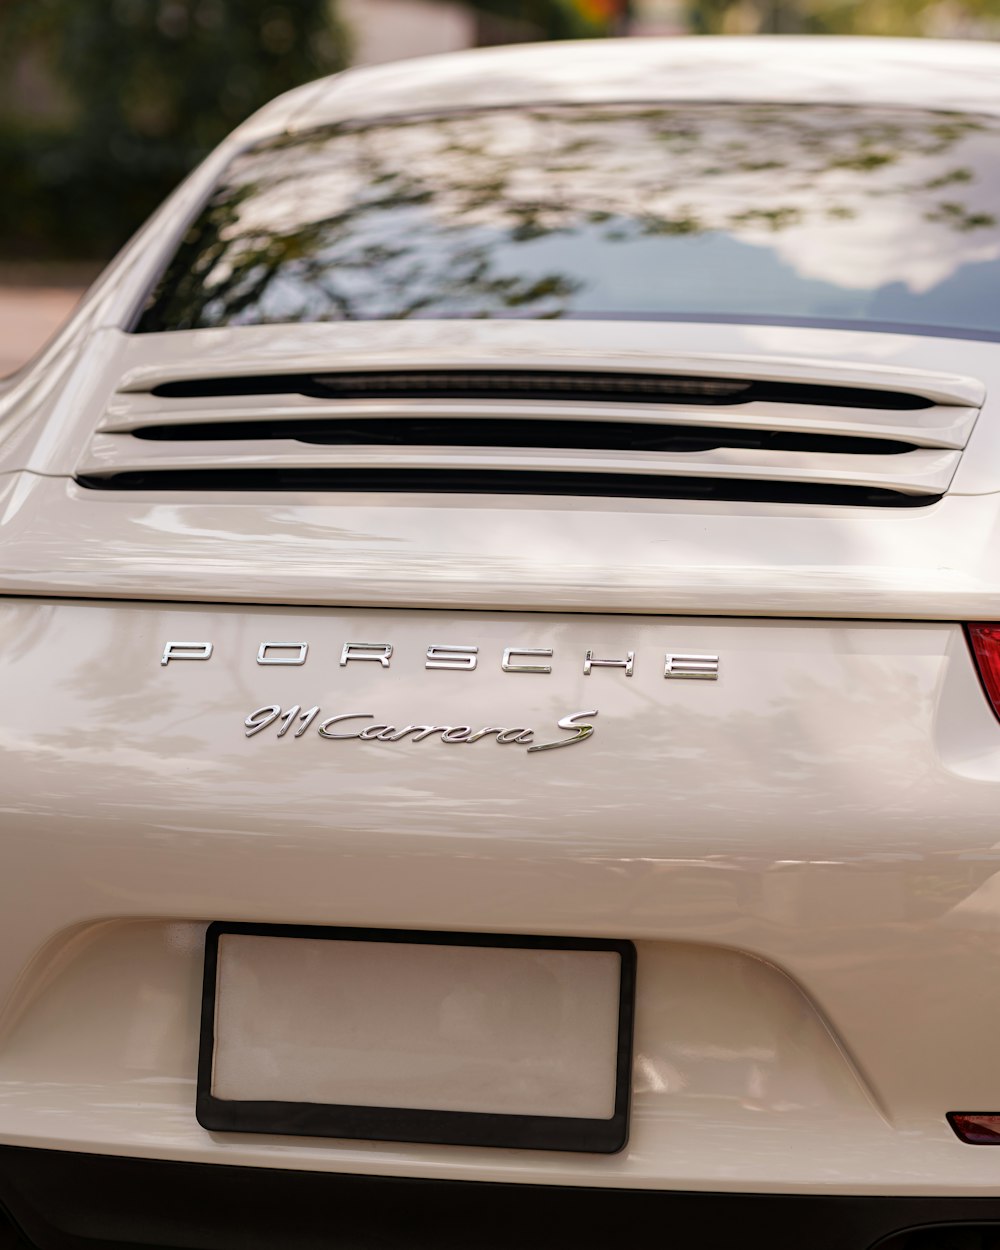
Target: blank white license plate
pixel 412 1036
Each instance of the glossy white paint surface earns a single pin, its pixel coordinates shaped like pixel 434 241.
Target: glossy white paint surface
pixel 532 554
pixel 950 75
pixel 805 851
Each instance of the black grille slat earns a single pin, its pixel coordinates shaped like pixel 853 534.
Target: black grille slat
pixel 529 432
pixel 542 385
pixel 502 482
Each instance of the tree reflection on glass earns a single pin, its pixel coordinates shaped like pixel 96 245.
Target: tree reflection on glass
pixel 818 212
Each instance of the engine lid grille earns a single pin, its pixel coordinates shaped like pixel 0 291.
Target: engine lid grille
pixel 586 432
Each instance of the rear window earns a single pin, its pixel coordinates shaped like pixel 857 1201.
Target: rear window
pixel 815 215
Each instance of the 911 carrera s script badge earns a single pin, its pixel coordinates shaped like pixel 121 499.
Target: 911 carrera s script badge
pixel 345 726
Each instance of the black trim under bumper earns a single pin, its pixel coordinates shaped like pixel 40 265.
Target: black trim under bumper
pixel 69 1201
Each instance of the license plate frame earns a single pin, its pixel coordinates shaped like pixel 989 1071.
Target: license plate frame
pixel 430 1126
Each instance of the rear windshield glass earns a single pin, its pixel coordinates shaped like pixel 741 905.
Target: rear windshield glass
pixel 823 215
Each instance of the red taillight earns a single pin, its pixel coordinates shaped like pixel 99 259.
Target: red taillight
pixel 985 641
pixel 976 1128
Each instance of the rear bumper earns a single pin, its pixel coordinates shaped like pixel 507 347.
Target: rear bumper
pixel 804 852
pixel 64 1201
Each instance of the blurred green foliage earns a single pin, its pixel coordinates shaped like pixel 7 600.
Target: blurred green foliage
pixel 556 19
pixel 136 92
pixel 976 19
pixel 105 105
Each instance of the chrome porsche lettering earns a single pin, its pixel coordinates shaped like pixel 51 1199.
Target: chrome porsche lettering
pixel 299 651
pixel 186 651
pixel 439 656
pixel 591 662
pixel 692 667
pixel 677 665
pixel 381 652
pixel 381 731
pixel 510 665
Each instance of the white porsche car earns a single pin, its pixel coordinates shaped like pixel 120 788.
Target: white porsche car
pixel 499 737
